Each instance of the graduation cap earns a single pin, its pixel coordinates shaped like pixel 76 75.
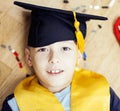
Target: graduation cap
pixel 50 25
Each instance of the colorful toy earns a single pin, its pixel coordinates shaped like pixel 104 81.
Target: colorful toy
pixel 116 29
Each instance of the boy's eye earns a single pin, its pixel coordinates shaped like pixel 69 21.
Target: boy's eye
pixel 42 50
pixel 66 48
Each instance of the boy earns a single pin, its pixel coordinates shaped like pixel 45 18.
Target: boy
pixel 55 48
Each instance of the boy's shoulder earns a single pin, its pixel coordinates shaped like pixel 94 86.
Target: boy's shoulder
pixel 10 97
pixel 89 74
pixel 10 103
pixel 6 106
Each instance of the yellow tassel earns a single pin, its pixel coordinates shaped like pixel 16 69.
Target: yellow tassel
pixel 79 35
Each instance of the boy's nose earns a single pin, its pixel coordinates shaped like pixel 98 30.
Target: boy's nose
pixel 53 58
pixel 53 61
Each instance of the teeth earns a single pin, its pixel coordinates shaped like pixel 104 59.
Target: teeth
pixel 54 71
pixel 57 71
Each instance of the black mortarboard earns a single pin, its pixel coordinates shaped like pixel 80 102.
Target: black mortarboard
pixel 50 25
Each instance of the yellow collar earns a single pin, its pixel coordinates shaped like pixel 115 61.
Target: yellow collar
pixel 89 92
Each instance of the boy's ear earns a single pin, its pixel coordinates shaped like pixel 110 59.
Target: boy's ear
pixel 28 57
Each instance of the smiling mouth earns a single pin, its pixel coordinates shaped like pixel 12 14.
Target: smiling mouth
pixel 55 71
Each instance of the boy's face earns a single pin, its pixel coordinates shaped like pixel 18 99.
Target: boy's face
pixel 54 64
